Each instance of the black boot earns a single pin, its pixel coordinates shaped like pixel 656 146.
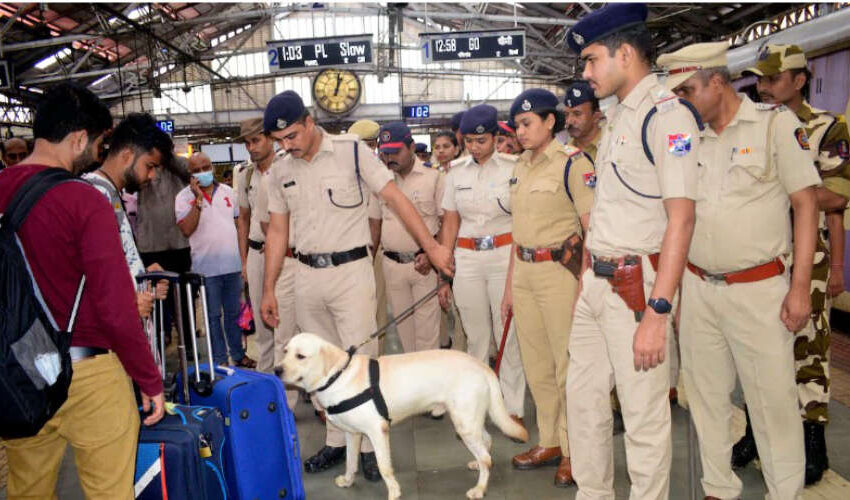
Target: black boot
pixel 325 458
pixel 816 461
pixel 369 464
pixel 745 450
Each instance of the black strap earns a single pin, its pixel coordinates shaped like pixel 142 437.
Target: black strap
pixel 337 374
pixel 29 193
pixel 256 245
pixel 373 392
pixel 651 113
pixel 567 174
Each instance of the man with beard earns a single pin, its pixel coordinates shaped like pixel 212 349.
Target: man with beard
pixel 405 285
pixel 583 117
pixel 137 148
pixel 70 233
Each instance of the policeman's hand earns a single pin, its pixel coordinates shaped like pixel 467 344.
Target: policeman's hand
pixel 445 296
pixel 796 309
pixel 422 265
pixel 195 187
pixel 157 403
pixel 244 272
pixel 144 302
pixel 835 285
pixel 507 303
pixel 268 306
pixel 650 341
pixel 441 257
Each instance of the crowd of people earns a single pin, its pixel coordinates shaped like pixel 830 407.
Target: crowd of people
pixel 685 224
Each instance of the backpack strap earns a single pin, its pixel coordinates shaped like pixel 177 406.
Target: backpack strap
pixel 652 112
pixel 29 193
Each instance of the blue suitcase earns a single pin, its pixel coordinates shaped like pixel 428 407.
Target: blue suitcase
pixel 262 456
pixel 181 456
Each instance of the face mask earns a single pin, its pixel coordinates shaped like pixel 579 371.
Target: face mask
pixel 204 178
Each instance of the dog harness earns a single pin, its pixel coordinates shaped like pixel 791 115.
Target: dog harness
pixel 373 392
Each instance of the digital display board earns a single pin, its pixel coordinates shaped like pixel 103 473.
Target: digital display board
pixel 472 45
pixel 293 55
pixel 418 111
pixel 166 126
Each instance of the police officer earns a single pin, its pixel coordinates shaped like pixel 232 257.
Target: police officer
pixel 583 117
pixel 423 154
pixel 456 118
pixel 738 302
pixel 551 195
pixel 405 285
pixel 640 229
pixel 367 130
pixel 783 78
pixel 478 209
pixel 324 181
pixel 506 141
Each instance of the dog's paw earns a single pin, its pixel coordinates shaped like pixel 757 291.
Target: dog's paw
pixel 472 465
pixel 343 481
pixel 477 492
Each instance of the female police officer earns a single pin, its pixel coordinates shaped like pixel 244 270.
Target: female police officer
pixel 477 207
pixel 551 196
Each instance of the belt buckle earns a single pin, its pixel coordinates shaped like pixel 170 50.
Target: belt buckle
pixel 718 278
pixel 526 254
pixel 322 260
pixel 407 257
pixel 485 243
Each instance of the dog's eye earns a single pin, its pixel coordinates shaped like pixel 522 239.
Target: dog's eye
pixel 299 356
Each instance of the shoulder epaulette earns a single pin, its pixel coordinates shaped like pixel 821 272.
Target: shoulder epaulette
pixel 506 157
pixel 571 150
pixel 764 106
pixel 463 160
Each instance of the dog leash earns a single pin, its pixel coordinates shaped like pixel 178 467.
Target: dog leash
pixel 504 339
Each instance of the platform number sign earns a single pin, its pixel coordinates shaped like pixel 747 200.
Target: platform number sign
pixel 472 45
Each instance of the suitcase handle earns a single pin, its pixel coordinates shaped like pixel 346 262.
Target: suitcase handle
pixel 193 279
pixel 158 275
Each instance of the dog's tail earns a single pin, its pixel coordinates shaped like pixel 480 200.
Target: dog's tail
pixel 499 413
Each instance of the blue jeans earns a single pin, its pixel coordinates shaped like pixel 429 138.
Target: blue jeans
pixel 223 293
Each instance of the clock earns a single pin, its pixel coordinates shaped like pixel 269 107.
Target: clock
pixel 337 91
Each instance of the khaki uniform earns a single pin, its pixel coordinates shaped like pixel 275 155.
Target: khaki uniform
pixel 328 207
pixel 742 220
pixel 481 196
pixel 543 292
pixel 628 218
pixel 828 140
pixel 404 285
pixel 591 149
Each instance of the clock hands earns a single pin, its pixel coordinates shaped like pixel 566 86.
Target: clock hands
pixel 338 81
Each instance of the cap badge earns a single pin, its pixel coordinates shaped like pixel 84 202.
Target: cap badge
pixel 386 136
pixel 578 38
pixel 479 129
pixel 281 123
pixel 526 106
pixel 577 92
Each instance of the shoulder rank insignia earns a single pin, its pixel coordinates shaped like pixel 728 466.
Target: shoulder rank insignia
pixel 764 106
pixel 571 150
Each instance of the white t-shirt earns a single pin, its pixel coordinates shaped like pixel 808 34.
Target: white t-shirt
pixel 214 247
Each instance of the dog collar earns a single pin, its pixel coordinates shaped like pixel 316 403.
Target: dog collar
pixel 336 375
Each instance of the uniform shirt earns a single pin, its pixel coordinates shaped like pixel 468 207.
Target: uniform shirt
pixel 128 243
pixel 591 149
pixel 544 215
pixel 745 177
pixel 263 201
pixel 829 143
pixel 481 194
pixel 249 193
pixel 326 199
pixel 628 215
pixel 214 246
pixel 424 188
pixel 70 232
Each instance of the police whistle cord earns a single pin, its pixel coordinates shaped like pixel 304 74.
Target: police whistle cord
pixel 404 314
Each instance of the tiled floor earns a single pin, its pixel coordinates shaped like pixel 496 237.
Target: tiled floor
pixel 430 463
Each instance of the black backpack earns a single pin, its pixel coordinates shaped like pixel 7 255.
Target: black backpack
pixel 35 363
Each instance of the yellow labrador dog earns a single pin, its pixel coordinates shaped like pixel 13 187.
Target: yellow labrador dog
pixel 410 384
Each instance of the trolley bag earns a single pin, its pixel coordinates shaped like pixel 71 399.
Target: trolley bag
pixel 181 455
pixel 261 453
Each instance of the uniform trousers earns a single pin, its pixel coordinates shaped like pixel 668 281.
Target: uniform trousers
pixel 404 286
pixel 479 285
pixel 338 303
pixel 602 357
pixel 543 294
pixel 270 343
pixel 736 328
pixel 101 423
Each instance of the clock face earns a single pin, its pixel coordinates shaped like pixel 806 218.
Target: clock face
pixel 336 90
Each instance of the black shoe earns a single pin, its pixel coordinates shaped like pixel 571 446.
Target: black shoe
pixel 325 458
pixel 619 425
pixel 449 345
pixel 745 450
pixel 369 464
pixel 816 461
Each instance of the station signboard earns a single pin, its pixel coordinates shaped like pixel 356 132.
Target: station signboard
pixel 472 45
pixel 306 53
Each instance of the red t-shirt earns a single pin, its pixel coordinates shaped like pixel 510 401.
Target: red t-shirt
pixel 72 231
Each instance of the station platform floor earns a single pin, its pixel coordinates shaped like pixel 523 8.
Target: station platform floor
pixel 430 463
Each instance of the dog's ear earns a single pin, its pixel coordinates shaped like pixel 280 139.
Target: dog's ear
pixel 327 357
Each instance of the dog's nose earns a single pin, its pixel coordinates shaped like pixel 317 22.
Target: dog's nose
pixel 278 371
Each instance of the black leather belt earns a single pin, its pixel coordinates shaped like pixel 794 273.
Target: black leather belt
pixel 256 245
pixel 320 260
pixel 81 353
pixel 403 257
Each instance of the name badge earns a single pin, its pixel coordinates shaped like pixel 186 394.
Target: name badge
pixel 289 184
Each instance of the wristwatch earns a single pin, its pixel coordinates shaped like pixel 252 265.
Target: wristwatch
pixel 661 306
